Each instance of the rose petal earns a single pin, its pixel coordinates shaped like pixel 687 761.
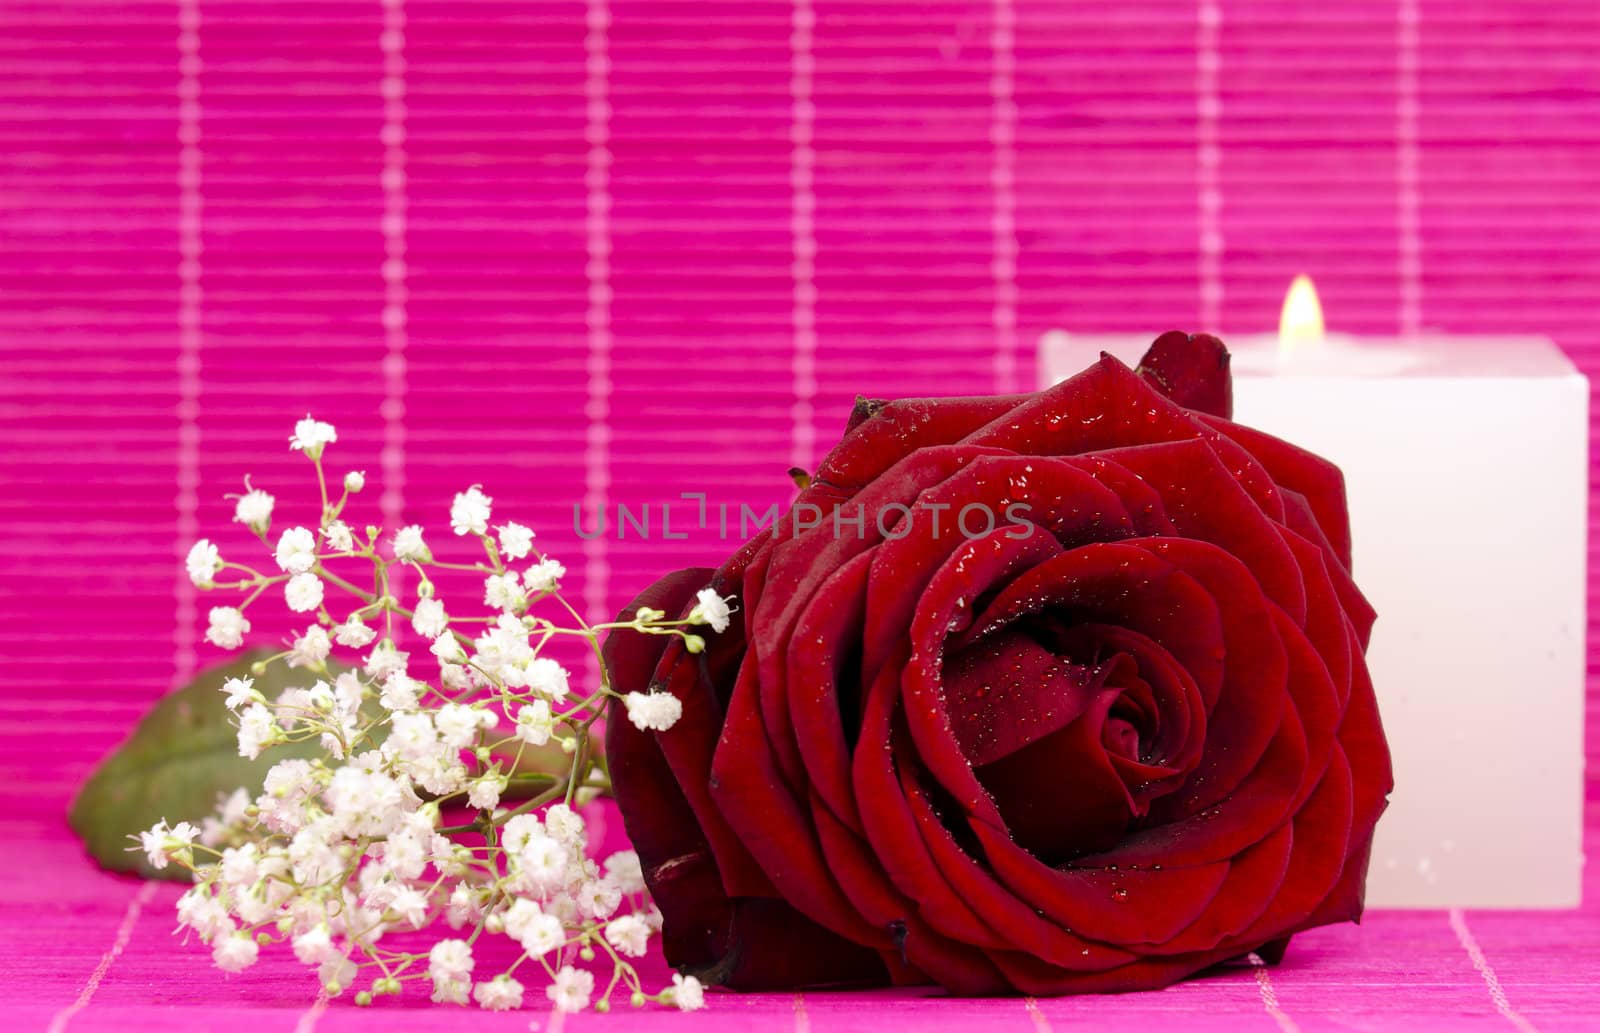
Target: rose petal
pixel 1122 907
pixel 795 570
pixel 1321 845
pixel 756 801
pixel 1192 370
pixel 1295 469
pixel 1205 502
pixel 1061 796
pixel 825 685
pixel 890 826
pixel 1109 406
pixel 894 430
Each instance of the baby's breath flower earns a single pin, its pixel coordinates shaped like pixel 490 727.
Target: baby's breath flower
pixel 429 618
pixel 463 906
pixel 502 993
pixel 355 480
pixel 654 711
pixel 516 541
pixel 303 592
pixel 623 868
pixel 314 946
pixel 162 844
pixel 412 735
pixel 484 792
pixel 547 678
pixel 544 576
pixel 297 550
pixel 629 935
pixel 571 990
pixel 448 650
pixel 519 831
pixel 564 824
pixel 535 723
pixel 241 867
pixel 458 724
pixel 450 959
pixel 226 627
pixel 711 608
pixel 353 632
pixel 236 952
pixel 504 592
pixel 687 993
pixel 340 537
pixel 399 692
pixel 411 906
pixel 385 660
pixel 239 690
pixel 311 648
pixel 254 510
pixel 311 435
pixel 450 991
pixel 202 563
pixel 469 513
pixel 202 912
pixel 599 898
pixel 542 935
pixel 409 546
pixel 256 729
pixel 519 916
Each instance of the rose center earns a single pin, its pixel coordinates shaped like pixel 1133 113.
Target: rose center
pixel 1053 733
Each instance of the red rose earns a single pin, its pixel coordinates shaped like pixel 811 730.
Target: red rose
pixel 1121 734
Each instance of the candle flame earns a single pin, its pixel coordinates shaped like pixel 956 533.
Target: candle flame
pixel 1301 321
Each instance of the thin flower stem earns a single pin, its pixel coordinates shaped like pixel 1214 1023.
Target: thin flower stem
pixel 334 579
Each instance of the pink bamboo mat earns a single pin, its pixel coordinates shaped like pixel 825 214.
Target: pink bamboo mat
pixel 588 250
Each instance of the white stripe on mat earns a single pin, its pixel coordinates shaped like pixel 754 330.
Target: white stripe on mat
pixel 1269 995
pixel 1497 993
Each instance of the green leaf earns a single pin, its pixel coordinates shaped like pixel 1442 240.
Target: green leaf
pixel 182 757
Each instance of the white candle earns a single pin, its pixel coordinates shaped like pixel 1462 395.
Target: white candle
pixel 1466 467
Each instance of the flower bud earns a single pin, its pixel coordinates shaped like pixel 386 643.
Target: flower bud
pixel 354 481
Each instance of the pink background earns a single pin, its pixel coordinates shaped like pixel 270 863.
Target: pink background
pixel 586 251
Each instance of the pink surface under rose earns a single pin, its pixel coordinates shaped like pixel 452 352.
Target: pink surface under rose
pixel 1045 693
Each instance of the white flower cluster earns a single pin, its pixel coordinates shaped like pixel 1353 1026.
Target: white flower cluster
pixel 425 801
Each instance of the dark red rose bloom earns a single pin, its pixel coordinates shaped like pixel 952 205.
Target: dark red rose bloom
pixel 1121 734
